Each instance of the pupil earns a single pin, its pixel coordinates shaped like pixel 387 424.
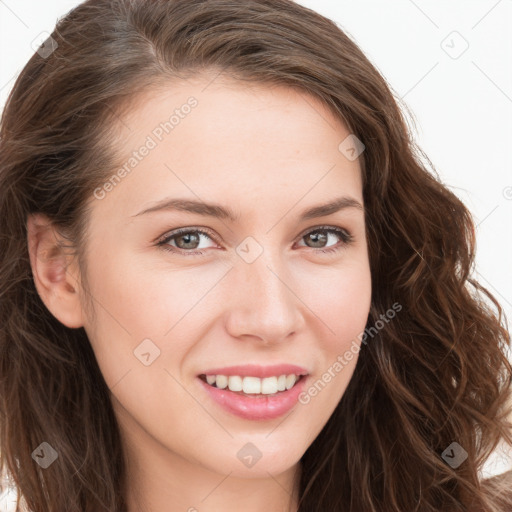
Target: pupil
pixel 187 236
pixel 320 236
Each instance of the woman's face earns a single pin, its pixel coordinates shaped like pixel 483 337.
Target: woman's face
pixel 253 290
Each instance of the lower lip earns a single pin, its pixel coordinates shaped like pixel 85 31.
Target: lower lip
pixel 258 407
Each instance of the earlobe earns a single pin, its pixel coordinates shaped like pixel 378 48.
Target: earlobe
pixel 54 271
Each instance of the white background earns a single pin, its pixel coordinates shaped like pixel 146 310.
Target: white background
pixel 461 101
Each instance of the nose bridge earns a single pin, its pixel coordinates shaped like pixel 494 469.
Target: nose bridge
pixel 265 278
pixel 265 304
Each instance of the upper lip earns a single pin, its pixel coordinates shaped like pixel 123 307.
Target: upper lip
pixel 254 370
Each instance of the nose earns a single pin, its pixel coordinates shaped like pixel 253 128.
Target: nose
pixel 262 303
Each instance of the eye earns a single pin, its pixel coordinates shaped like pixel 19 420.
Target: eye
pixel 322 234
pixel 183 240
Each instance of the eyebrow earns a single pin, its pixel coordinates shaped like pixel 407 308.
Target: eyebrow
pixel 221 212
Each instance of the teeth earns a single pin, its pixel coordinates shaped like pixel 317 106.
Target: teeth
pixel 220 380
pixel 290 381
pixel 269 385
pixel 235 383
pixel 253 385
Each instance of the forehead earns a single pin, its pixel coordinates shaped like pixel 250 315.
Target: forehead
pixel 229 138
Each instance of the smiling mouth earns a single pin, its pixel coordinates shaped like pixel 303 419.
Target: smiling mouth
pixel 253 386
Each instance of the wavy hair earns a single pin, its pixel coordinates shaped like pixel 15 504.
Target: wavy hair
pixel 437 373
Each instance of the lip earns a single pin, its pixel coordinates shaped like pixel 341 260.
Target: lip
pixel 254 370
pixel 259 407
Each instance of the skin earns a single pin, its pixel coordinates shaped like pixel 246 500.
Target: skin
pixel 267 153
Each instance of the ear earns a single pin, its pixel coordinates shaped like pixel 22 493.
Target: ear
pixel 54 271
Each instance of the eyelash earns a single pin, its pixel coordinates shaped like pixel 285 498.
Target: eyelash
pixel 345 236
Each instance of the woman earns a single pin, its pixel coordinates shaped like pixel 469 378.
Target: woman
pixel 326 350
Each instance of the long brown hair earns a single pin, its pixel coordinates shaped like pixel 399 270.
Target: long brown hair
pixel 435 374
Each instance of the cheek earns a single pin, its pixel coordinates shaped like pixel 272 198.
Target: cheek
pixel 135 302
pixel 129 308
pixel 135 308
pixel 340 298
pixel 141 301
pixel 340 302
